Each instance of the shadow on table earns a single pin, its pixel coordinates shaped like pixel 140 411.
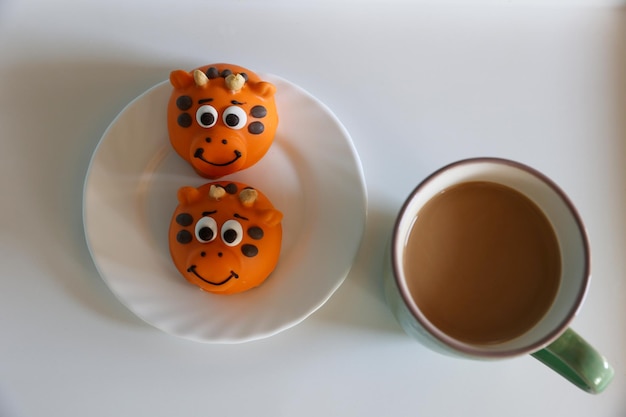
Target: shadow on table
pixel 360 302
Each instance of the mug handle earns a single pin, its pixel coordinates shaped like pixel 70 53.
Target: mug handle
pixel 577 361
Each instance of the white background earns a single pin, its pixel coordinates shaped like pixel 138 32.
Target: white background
pixel 417 84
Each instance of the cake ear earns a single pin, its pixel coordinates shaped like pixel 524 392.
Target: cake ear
pixel 271 217
pixel 264 89
pixel 188 195
pixel 181 79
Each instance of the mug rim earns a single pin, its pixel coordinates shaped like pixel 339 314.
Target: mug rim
pixel 478 350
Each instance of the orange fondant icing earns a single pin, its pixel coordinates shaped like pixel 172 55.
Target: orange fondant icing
pixel 221 118
pixel 225 237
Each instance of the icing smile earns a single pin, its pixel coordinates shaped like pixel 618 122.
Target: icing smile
pixel 233 274
pixel 200 155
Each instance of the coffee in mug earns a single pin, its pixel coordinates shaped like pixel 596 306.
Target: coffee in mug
pixel 482 262
pixel 489 259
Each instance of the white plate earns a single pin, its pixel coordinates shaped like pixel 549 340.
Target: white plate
pixel 312 173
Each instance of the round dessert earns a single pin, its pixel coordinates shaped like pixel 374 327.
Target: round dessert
pixel 221 118
pixel 225 237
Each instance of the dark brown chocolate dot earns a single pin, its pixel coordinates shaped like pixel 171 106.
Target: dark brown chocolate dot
pixel 184 219
pixel 256 128
pixel 231 188
pixel 244 75
pixel 258 112
pixel 184 236
pixel 249 250
pixel 184 102
pixel 226 73
pixel 184 120
pixel 255 232
pixel 212 72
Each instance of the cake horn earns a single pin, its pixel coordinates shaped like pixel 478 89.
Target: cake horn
pixel 200 78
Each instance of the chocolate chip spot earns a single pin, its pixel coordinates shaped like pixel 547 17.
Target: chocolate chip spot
pixel 249 250
pixel 231 188
pixel 184 219
pixel 255 232
pixel 244 75
pixel 184 102
pixel 258 111
pixel 256 128
pixel 184 120
pixel 212 72
pixel 183 237
pixel 226 73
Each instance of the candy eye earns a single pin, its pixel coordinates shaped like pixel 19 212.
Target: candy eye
pixel 235 117
pixel 206 229
pixel 206 116
pixel 232 233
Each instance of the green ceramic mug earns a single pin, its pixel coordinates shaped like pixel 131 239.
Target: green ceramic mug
pixel 548 338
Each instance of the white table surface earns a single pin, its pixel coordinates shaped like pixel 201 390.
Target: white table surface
pixel 417 84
